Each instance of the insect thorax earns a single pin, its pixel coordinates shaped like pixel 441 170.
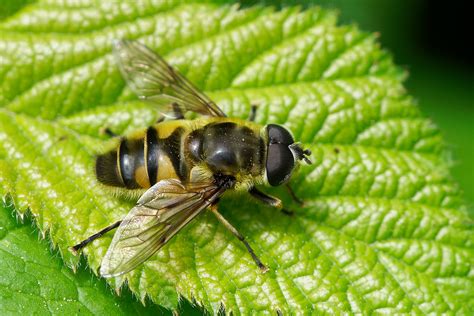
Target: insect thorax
pixel 227 147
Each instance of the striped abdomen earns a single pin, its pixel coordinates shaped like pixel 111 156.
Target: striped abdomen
pixel 141 162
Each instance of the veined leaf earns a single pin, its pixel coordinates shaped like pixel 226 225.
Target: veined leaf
pixel 383 228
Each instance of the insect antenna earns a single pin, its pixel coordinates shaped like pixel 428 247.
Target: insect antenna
pixel 301 153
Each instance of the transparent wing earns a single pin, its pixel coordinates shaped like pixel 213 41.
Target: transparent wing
pixel 159 214
pixel 152 78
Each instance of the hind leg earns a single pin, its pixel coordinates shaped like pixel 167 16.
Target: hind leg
pixel 77 248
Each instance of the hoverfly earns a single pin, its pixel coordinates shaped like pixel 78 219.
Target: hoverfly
pixel 184 166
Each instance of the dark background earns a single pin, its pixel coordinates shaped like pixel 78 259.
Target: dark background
pixel 434 43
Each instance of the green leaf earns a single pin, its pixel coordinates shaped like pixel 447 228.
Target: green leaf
pixel 383 228
pixel 33 281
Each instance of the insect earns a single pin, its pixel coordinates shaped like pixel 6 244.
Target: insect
pixel 184 166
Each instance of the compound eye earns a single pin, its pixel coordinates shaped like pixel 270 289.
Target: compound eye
pixel 279 135
pixel 280 164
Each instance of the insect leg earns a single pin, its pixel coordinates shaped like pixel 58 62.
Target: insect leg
pixel 178 113
pixel 293 195
pixel 75 249
pixel 107 131
pixel 269 200
pixel 160 119
pixel 253 113
pixel 234 231
pixel 265 198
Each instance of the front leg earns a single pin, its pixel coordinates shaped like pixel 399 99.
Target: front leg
pixel 293 195
pixel 253 113
pixel 269 200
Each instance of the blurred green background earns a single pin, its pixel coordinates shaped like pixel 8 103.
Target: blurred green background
pixel 431 41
